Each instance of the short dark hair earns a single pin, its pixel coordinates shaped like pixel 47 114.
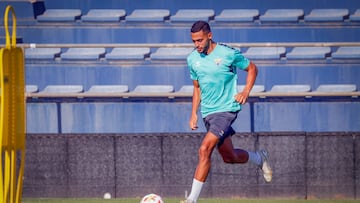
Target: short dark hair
pixel 200 26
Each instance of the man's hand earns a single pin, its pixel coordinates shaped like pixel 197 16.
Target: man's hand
pixel 242 97
pixel 193 122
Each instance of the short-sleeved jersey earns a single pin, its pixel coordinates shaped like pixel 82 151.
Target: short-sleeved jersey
pixel 216 74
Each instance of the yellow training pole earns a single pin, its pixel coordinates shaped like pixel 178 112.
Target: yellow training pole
pixel 12 115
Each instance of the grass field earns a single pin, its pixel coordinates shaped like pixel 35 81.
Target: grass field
pixel 137 200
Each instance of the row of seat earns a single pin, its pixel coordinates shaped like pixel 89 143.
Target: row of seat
pixel 154 113
pixel 189 15
pixel 180 53
pixel 186 90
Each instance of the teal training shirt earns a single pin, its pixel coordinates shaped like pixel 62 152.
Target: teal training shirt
pixel 216 74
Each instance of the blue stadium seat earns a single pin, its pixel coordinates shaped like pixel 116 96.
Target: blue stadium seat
pixel 290 88
pixel 308 53
pixel 154 89
pixel 59 15
pixel 347 53
pixel 174 53
pixel 137 53
pixel 237 15
pixel 265 52
pixel 148 15
pixel 61 89
pixel 191 15
pixel 83 54
pixel 327 15
pixel 42 53
pixel 108 89
pixel 355 16
pixel 104 15
pixel 282 15
pixel 31 88
pixel 336 88
pixel 186 89
pixel 255 89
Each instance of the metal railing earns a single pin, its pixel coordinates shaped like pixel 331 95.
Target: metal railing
pixel 187 94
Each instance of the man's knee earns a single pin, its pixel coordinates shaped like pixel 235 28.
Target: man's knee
pixel 205 151
pixel 207 146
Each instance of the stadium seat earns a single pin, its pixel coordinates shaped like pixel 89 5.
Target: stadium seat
pixel 104 15
pixel 290 88
pixel 59 15
pixel 191 15
pixel 282 15
pixel 336 88
pixel 327 15
pixel 347 53
pixel 148 15
pixel 108 89
pixel 31 88
pixel 255 89
pixel 154 89
pixel 355 16
pixel 42 53
pixel 61 89
pixel 308 53
pixel 173 53
pixel 83 54
pixel 265 52
pixel 186 89
pixel 128 53
pixel 237 15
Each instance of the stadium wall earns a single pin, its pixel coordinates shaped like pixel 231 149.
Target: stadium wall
pixel 306 165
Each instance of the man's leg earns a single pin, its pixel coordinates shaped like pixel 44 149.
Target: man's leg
pixel 231 155
pixel 202 170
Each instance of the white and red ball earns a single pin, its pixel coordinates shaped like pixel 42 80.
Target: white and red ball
pixel 152 198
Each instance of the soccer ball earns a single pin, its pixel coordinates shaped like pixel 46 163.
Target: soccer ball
pixel 152 198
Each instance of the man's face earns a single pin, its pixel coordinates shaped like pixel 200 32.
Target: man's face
pixel 201 41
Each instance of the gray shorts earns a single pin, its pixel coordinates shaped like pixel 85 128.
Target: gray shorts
pixel 220 124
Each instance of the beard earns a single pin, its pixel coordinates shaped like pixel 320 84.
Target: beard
pixel 205 48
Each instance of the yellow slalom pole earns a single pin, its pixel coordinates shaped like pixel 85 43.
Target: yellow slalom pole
pixel 12 115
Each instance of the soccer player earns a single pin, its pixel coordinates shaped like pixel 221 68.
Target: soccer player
pixel 213 68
